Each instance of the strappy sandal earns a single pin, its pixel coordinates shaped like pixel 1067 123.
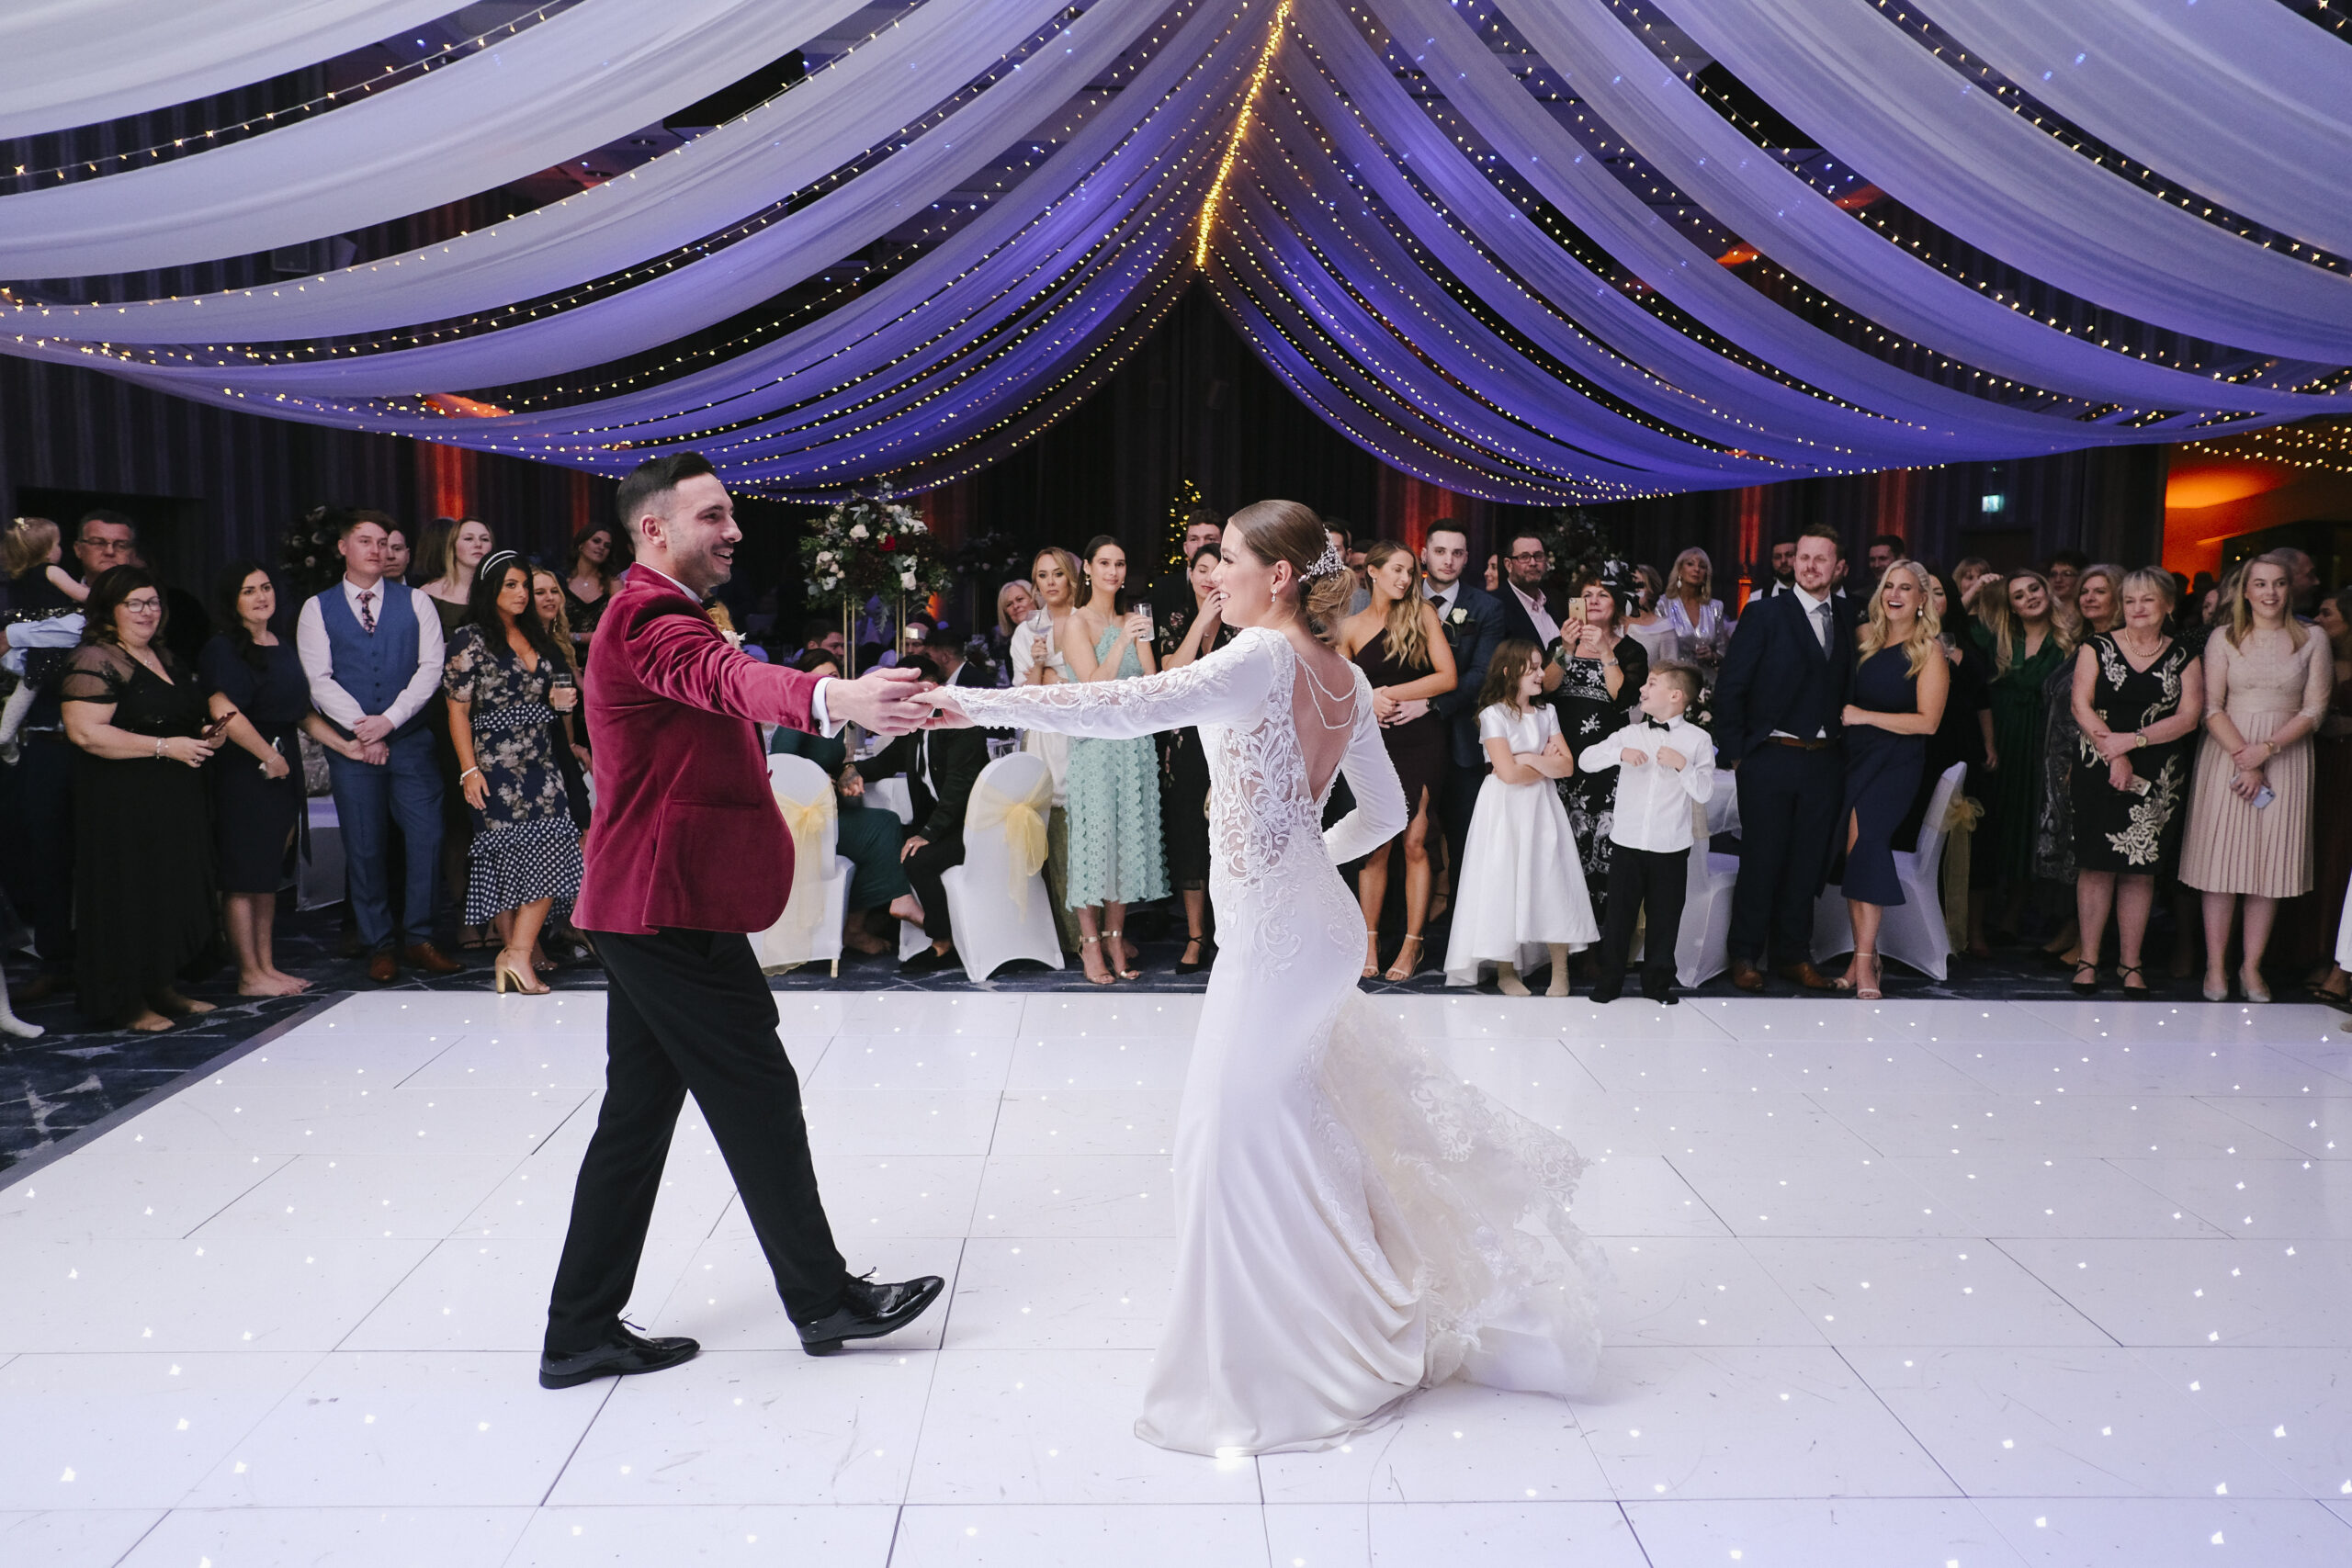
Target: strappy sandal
pixel 2125 974
pixel 1370 951
pixel 1106 977
pixel 1871 992
pixel 2081 986
pixel 1400 970
pixel 1127 954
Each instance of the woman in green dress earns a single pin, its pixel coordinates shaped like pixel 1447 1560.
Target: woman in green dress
pixel 2020 635
pixel 1116 856
pixel 869 837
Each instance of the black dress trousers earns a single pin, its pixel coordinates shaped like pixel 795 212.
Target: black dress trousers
pixel 924 869
pixel 1790 800
pixel 1655 880
pixel 690 1010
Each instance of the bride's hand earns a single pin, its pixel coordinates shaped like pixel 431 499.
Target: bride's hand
pixel 945 713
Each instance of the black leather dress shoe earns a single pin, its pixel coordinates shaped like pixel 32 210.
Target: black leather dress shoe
pixel 868 1311
pixel 622 1356
pixel 927 961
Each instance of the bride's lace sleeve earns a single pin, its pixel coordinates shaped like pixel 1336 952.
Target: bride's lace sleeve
pixel 1229 687
pixel 1380 813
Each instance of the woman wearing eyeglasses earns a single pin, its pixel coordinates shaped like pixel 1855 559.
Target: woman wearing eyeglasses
pixel 142 839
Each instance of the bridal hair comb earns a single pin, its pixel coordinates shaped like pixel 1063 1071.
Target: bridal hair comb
pixel 1329 562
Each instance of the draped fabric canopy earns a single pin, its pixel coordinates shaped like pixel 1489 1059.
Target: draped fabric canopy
pixel 1532 250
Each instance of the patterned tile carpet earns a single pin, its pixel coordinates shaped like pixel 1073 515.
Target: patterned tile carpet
pixel 74 1075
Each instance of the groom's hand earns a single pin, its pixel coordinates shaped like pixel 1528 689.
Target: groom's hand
pixel 882 702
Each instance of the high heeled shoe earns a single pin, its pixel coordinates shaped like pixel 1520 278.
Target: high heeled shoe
pixel 1194 966
pixel 2214 993
pixel 1370 951
pixel 1126 955
pixel 523 980
pixel 1401 969
pixel 1095 942
pixel 2081 986
pixel 2127 972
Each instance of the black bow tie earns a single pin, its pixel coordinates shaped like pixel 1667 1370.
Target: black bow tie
pixel 1658 723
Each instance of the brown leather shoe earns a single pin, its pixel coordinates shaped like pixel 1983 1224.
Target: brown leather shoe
pixel 1746 975
pixel 432 959
pixel 1805 973
pixel 384 969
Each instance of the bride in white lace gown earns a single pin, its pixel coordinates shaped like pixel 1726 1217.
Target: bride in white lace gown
pixel 1354 1222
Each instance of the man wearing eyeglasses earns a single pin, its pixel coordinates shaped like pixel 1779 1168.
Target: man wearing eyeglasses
pixel 1530 612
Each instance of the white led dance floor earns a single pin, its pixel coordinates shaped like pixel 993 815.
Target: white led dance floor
pixel 1922 1284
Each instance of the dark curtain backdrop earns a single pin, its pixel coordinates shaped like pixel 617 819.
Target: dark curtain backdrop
pixel 207 485
pixel 1193 404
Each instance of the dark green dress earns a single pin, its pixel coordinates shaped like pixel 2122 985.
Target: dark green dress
pixel 866 836
pixel 2020 719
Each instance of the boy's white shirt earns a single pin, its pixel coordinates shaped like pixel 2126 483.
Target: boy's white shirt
pixel 1653 810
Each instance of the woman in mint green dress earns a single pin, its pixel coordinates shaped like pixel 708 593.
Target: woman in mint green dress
pixel 1115 853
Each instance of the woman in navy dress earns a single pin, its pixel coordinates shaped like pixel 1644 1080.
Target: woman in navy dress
pixel 1901 679
pixel 256 683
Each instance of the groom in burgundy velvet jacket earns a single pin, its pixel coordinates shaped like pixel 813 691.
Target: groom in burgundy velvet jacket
pixel 687 854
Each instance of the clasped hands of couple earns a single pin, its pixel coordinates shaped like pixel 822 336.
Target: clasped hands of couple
pixel 889 702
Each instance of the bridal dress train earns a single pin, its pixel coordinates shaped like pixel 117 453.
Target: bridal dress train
pixel 1354 1222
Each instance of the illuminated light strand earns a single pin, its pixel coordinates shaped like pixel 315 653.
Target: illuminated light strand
pixel 1240 128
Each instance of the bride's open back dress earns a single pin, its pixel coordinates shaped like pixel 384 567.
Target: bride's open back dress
pixel 1354 1223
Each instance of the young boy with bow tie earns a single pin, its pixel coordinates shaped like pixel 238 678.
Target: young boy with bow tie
pixel 1664 763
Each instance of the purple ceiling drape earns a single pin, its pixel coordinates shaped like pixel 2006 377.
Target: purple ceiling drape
pixel 1520 248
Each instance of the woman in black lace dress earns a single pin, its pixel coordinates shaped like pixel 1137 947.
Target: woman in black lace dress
pixel 1185 636
pixel 1595 677
pixel 2139 697
pixel 142 883
pixel 526 853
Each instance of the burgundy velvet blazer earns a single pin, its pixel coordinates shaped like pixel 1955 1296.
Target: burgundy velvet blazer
pixel 687 830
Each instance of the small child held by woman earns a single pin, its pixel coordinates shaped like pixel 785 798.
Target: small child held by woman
pixel 1521 889
pixel 41 612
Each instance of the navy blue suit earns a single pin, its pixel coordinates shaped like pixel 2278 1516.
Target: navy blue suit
pixel 1474 629
pixel 1776 676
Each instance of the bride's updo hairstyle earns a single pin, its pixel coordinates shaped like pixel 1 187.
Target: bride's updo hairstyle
pixel 1286 531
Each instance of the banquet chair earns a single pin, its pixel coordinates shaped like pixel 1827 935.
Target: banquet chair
pixel 1913 931
pixel 811 926
pixel 995 900
pixel 1702 946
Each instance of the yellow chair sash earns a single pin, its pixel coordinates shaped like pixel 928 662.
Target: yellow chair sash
pixel 1023 819
pixel 809 822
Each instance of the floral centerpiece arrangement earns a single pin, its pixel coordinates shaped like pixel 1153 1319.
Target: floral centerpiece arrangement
pixel 869 547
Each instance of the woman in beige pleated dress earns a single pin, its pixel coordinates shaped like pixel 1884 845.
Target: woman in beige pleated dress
pixel 2267 679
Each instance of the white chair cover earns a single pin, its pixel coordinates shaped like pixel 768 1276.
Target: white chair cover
pixel 997 897
pixel 1913 931
pixel 1702 946
pixel 810 926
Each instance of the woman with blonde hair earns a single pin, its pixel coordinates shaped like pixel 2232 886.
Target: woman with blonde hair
pixel 1901 679
pixel 1037 660
pixel 1695 614
pixel 2267 679
pixel 1353 1222
pixel 1399 643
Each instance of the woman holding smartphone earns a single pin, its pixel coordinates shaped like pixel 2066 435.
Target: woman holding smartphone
pixel 2266 682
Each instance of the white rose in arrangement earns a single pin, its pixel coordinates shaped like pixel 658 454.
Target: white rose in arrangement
pixel 906 578
pixel 857 531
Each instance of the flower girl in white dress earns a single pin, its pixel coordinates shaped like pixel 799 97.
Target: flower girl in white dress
pixel 1521 889
pixel 1353 1221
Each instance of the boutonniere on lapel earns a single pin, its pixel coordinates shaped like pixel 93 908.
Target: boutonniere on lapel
pixel 1457 616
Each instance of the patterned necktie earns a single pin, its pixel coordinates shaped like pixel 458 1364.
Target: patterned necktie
pixel 366 615
pixel 1822 611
